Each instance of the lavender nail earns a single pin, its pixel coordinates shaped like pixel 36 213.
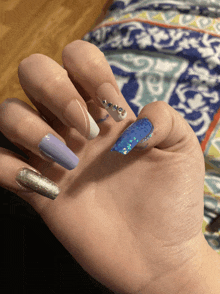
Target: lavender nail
pixel 58 151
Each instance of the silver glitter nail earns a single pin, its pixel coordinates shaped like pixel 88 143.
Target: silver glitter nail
pixel 38 183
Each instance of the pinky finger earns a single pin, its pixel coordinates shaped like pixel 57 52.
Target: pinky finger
pixel 17 176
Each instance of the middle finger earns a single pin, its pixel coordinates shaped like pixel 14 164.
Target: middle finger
pixel 48 83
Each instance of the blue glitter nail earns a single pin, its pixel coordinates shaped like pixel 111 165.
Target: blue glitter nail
pixel 139 130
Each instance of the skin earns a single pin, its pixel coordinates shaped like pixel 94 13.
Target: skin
pixel 133 222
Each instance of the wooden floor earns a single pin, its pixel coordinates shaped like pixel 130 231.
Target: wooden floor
pixel 42 26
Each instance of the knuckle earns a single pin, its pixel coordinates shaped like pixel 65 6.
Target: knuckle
pixel 7 104
pixel 74 44
pixel 91 68
pixel 161 104
pixel 52 83
pixel 77 45
pixel 79 50
pixel 22 63
pixel 95 62
pixel 30 59
pixel 23 128
pixel 11 120
pixel 162 107
pixel 166 110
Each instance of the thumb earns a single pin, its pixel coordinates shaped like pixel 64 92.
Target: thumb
pixel 157 125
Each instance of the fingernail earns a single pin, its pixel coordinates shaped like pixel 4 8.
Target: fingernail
pixel 58 151
pixel 94 129
pixel 110 99
pixel 77 116
pixel 38 183
pixel 137 133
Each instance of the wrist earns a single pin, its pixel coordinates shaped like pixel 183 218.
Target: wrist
pixel 199 275
pixel 207 279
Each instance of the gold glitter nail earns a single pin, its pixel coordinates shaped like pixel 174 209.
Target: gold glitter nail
pixel 38 183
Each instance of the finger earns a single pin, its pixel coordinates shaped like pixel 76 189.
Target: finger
pixel 91 73
pixel 17 176
pixel 158 125
pixel 7 144
pixel 22 125
pixel 48 83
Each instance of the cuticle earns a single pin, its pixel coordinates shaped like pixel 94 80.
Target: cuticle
pixel 24 167
pixel 23 187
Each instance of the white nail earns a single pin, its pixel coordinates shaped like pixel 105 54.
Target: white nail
pixel 94 129
pixel 115 115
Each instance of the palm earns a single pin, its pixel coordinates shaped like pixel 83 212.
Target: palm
pixel 119 215
pixel 129 220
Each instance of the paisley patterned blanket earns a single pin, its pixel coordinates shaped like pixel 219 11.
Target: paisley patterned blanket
pixel 170 51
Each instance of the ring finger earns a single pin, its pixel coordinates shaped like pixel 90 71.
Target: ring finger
pixel 23 126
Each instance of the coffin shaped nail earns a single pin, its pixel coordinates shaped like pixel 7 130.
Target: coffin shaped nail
pixel 59 152
pixel 139 131
pixel 38 183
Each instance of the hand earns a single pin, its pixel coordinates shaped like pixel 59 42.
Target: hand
pixel 131 221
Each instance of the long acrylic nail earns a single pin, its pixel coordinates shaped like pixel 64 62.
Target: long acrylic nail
pixel 109 98
pixel 58 151
pixel 137 133
pixel 76 115
pixel 38 183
